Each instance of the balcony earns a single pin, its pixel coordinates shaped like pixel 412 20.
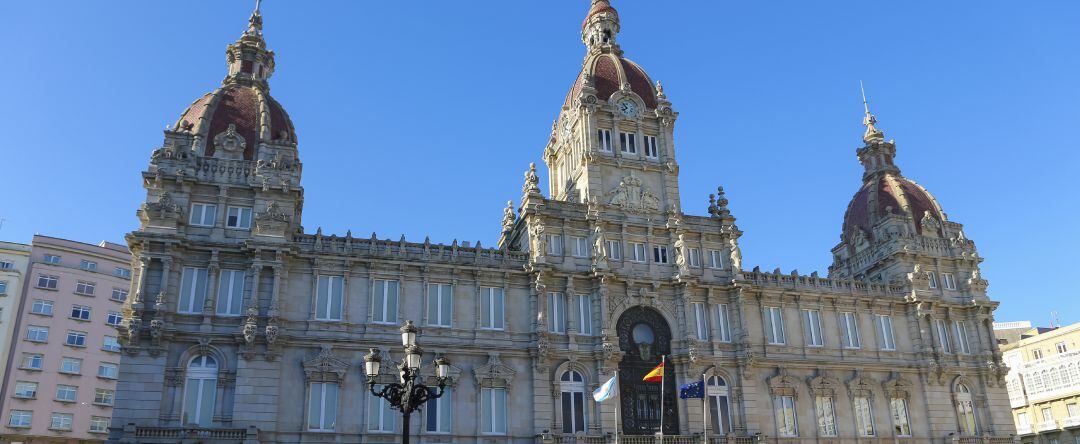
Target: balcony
pixel 1047 426
pixel 1070 422
pixel 133 433
pixel 1024 429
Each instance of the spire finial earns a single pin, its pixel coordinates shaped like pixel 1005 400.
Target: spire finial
pixel 255 21
pixel 869 120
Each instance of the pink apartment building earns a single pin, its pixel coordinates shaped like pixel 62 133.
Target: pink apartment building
pixel 64 357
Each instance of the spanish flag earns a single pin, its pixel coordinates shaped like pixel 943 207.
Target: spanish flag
pixel 657 374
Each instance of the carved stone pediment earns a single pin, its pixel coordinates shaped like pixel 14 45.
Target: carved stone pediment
pixel 272 221
pixel 897 387
pixel 230 141
pixel 930 225
pixel 860 385
pixel 783 384
pixel 631 195
pixel 163 212
pixel 494 373
pixel 823 385
pixel 326 366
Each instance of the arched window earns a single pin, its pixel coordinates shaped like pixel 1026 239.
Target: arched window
pixel 965 410
pixel 716 389
pixel 200 389
pixel 572 389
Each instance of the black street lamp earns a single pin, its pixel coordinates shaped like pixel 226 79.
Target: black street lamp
pixel 408 395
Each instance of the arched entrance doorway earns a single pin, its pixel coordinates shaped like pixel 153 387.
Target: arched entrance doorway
pixel 644 336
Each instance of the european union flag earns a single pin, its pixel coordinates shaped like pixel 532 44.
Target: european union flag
pixel 692 390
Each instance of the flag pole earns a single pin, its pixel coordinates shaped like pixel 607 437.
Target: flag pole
pixel 663 373
pixel 705 408
pixel 618 400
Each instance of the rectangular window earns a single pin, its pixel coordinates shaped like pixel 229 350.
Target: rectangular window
pixel 88 265
pixel 1061 347
pixel 110 344
pixel 628 143
pixel 122 272
pixel 3 288
pixel 37 334
pixel 21 418
pixel 886 340
pixel 52 259
pixel 774 325
pixel 826 415
pixel 203 215
pixel 239 217
pixel 604 137
pixel 113 318
pixel 1022 420
pixel 784 407
pixel 84 288
pixel 99 424
pixel 849 330
pixel 651 148
pixel 962 337
pixel 438 413
pixel 864 416
pixel 26 389
pixel 554 245
pixel 933 279
pixel 701 323
pixel 614 249
pixel 5 265
pixel 440 304
pixel 812 328
pixel 104 396
pixel 76 338
pixel 1073 410
pixel 386 302
pixel 557 312
pixel 693 257
pixel 943 335
pixel 42 307
pixel 380 415
pixel 1036 354
pixel 80 312
pixel 108 371
pixel 31 361
pixel 584 314
pixel 1047 414
pixel 192 290
pixel 723 325
pixel 71 365
pixel 66 393
pixel 949 281
pixel 323 406
pixel 659 253
pixel 47 281
pixel 581 246
pixel 491 308
pixel 230 292
pixel 638 252
pixel 119 295
pixel 329 298
pixel 61 421
pixel 900 416
pixel 493 411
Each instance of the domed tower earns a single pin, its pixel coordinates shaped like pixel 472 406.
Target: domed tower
pixel 894 227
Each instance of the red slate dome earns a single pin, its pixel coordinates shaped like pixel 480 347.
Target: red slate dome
pixel 255 115
pixel 608 73
pixel 888 194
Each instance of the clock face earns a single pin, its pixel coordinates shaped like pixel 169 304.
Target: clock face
pixel 627 107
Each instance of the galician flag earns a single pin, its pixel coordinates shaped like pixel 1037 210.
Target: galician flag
pixel 656 375
pixel 606 390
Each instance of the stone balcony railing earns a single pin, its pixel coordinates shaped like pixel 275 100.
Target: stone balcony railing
pixel 1024 429
pixel 1046 426
pixel 139 434
pixel 1070 422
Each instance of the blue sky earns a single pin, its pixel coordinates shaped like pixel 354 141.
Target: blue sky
pixel 418 118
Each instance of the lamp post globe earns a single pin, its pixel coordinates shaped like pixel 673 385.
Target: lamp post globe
pixel 407 395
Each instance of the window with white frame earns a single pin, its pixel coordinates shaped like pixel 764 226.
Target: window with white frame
pixel 651 149
pixel 3 288
pixel 32 361
pixel 637 251
pixel 200 391
pixel 1047 414
pixel 439 413
pixel 1061 347
pixel 716 390
pixel 557 312
pixel 932 278
pixel 440 304
pixel 119 295
pixel 491 308
pixel 230 292
pixel 192 290
pixel 122 272
pixel 774 325
pixel 21 418
pixel 886 341
pixel 604 139
pixel 901 424
pixel 203 215
pixel 84 288
pixel 784 408
pixel 826 415
pixel 965 410
pixel 812 328
pixel 110 343
pixel 493 411
pixel 1036 354
pixel 864 416
pixel 26 389
pixel 385 309
pixel 943 335
pixel 66 393
pixel 1073 410
pixel 99 424
pixel 581 246
pixel 75 338
pixel 51 258
pixel 554 245
pixel 47 281
pixel 88 265
pixel 108 370
pixel 628 143
pixel 723 323
pixel 7 265
pixel 113 318
pixel 322 406
pixel 584 314
pixel 614 249
pixel 849 330
pixel 380 416
pixel 61 421
pixel 949 281
pixel 104 396
pixel 1022 420
pixel 962 344
pixel 80 312
pixel 329 299
pixel 660 255
pixel 701 321
pixel 238 217
pixel 37 334
pixel 71 366
pixel 42 307
pixel 572 394
pixel 693 256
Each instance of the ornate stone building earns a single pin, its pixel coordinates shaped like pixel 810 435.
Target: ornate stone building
pixel 246 326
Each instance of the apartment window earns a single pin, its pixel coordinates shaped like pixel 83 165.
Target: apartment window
pixel 554 245
pixel 108 371
pixel 491 308
pixel 203 215
pixel 66 393
pixel 659 254
pixel 439 413
pixel 949 281
pixel 627 143
pixel 1036 354
pixel 581 246
pixel 52 259
pixel 239 217
pixel 122 272
pixel 88 265
pixel 885 332
pixel 200 391
pixel 962 337
pixel 42 307
pixel 61 421
pixel 119 295
pixel 192 290
pixel 557 312
pixel 784 407
pixel 21 418
pixel 812 328
pixel 723 325
pixel 774 325
pixel 80 312
pixel 26 389
pixel 47 281
pixel 933 279
pixel 604 137
pixel 380 415
pixel 84 288
pixel 864 416
pixel 650 147
pixel 3 288
pixel 1061 347
pixel 943 335
pixel 230 292
pixel 440 304
pixel 99 424
pixel 5 265
pixel 71 365
pixel 701 321
pixel 849 330
pixel 113 318
pixel 694 257
pixel 322 406
pixel 584 314
pixel 614 249
pixel 572 394
pixel 37 334
pixel 826 415
pixel 32 361
pixel 104 396
pixel 493 411
pixel 111 344
pixel 386 301
pixel 1022 420
pixel 1072 409
pixel 1047 414
pixel 76 338
pixel 901 425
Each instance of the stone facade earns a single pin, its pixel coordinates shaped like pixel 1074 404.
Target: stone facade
pixel 246 326
pixel 1044 384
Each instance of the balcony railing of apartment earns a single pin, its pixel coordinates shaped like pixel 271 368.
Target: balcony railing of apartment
pixel 1047 426
pixel 1070 422
pixel 1025 429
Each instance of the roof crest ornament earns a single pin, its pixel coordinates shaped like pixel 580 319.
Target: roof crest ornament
pixel 872 133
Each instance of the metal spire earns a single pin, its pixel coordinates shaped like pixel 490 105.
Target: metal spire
pixel 869 120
